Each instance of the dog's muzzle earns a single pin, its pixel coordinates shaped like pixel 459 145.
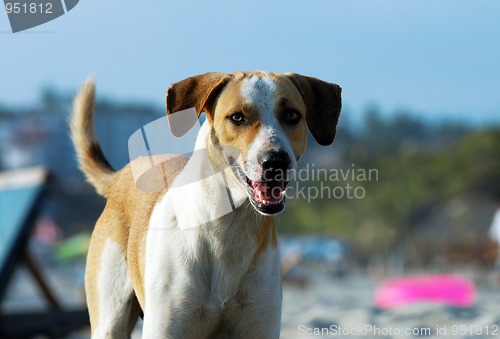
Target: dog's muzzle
pixel 267 194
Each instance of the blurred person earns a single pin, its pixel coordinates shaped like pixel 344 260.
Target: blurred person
pixel 494 231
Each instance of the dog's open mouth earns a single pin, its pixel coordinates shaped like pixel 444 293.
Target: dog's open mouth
pixel 267 196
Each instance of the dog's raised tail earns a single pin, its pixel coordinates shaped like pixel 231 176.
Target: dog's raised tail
pixel 91 160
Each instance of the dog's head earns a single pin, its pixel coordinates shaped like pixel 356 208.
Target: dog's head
pixel 264 116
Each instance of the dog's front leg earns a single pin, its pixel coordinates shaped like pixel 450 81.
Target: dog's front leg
pixel 175 303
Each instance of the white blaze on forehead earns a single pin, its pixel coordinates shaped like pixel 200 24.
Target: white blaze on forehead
pixel 260 93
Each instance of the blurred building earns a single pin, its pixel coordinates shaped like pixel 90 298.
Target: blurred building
pixel 40 136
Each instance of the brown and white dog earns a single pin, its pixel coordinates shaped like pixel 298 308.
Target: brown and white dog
pixel 156 252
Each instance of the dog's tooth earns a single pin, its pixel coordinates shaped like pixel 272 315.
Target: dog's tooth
pixel 259 195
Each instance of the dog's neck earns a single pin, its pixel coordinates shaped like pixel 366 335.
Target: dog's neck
pixel 212 191
pixel 217 206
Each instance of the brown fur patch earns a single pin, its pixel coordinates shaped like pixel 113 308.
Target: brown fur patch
pixel 265 236
pixel 324 103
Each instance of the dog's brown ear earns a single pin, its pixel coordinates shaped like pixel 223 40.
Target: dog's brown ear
pixel 323 103
pixel 196 91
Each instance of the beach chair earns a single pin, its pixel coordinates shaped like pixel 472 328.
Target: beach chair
pixel 21 197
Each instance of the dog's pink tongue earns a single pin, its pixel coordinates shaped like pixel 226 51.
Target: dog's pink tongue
pixel 269 191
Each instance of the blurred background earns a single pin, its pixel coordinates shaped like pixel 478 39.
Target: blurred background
pixel 421 110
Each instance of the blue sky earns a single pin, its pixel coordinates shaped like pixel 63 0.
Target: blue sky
pixel 434 58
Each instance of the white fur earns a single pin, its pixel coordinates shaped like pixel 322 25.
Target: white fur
pixel 206 260
pixel 115 290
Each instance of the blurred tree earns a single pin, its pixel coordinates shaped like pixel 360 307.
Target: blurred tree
pixel 421 165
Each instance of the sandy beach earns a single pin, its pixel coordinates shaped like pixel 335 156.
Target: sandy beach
pixel 327 306
pixel 344 308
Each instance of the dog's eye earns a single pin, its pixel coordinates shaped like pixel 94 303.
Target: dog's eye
pixel 238 118
pixel 292 117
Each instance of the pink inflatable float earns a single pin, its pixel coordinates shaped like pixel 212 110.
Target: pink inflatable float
pixel 448 289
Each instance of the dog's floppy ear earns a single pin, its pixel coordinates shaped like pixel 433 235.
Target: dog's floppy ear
pixel 323 103
pixel 196 91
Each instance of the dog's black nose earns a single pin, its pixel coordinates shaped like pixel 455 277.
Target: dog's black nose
pixel 275 165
